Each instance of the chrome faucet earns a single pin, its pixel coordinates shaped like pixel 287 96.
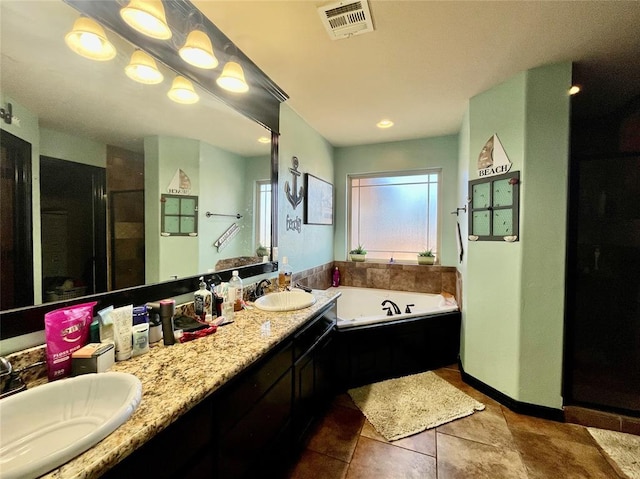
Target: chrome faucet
pixel 10 380
pixel 259 291
pixel 396 309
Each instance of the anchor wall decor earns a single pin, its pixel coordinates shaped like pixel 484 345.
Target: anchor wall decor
pixel 294 198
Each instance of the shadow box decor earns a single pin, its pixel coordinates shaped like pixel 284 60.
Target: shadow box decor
pixel 318 207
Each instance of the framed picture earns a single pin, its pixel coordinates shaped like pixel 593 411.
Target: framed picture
pixel 318 207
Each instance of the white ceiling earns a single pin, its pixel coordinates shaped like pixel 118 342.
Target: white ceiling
pixel 419 68
pixel 426 59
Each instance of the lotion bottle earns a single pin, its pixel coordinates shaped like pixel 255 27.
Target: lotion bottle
pixel 202 300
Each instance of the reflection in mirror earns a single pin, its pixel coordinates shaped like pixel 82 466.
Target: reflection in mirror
pixel 104 149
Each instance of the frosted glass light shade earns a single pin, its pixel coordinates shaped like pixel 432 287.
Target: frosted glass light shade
pixel 182 91
pixel 147 17
pixel 142 68
pixel 197 51
pixel 87 38
pixel 232 78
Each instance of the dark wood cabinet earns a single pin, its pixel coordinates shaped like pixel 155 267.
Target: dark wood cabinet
pixel 253 424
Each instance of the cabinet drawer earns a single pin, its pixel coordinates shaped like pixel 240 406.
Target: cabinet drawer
pixel 243 392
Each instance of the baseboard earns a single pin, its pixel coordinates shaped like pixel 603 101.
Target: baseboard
pixel 516 406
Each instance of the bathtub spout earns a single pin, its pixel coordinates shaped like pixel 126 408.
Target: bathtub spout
pixel 396 309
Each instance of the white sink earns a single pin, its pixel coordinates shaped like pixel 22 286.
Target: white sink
pixel 44 427
pixel 285 300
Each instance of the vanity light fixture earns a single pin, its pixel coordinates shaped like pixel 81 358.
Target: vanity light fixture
pixel 147 17
pixel 232 77
pixel 574 89
pixel 87 39
pixel 142 68
pixel 197 51
pixel 384 124
pixel 264 139
pixel 182 91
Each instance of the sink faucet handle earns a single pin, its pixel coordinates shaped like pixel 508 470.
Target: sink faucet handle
pixel 5 367
pixel 408 308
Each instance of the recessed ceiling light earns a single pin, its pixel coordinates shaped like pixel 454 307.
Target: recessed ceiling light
pixel 574 89
pixel 264 139
pixel 384 124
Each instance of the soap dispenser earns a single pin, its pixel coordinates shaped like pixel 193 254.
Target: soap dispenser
pixel 202 300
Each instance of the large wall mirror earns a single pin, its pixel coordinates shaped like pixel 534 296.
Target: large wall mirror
pixel 105 150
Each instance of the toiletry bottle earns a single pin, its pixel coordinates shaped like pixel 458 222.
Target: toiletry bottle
pixel 140 330
pixel 167 310
pixel 202 300
pixel 336 278
pixel 235 291
pixel 284 275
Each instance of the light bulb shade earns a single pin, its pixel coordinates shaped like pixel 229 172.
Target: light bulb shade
pixel 142 68
pixel 87 38
pixel 197 50
pixel 182 91
pixel 147 17
pixel 232 78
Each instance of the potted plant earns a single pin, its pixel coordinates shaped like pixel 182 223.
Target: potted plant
pixel 426 257
pixel 358 254
pixel 262 250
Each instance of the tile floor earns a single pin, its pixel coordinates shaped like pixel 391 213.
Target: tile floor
pixel 495 443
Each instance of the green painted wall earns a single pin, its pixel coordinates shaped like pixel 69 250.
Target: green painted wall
pixel 544 229
pixel 67 147
pixel 513 300
pixel 438 152
pixel 223 192
pixel 312 245
pixel 166 257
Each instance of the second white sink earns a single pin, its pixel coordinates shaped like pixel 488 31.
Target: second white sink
pixel 285 301
pixel 44 427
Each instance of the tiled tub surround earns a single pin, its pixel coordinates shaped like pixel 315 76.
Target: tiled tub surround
pixel 395 276
pixel 176 378
pixel 398 276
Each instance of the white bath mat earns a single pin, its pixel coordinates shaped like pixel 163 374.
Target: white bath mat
pixel 623 449
pixel 408 405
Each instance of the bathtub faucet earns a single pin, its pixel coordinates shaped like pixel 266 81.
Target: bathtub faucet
pixel 396 310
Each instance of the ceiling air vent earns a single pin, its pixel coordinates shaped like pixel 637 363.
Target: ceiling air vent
pixel 345 19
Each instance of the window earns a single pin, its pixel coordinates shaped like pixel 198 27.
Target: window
pixel 263 213
pixel 494 214
pixel 395 214
pixel 179 215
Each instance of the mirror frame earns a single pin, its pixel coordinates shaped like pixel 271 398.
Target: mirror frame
pixel 261 104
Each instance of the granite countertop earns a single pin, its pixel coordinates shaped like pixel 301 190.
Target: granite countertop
pixel 176 378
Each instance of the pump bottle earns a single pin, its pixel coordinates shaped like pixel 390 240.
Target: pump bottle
pixel 202 300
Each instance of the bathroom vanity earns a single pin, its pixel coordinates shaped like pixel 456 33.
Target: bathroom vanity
pixel 236 403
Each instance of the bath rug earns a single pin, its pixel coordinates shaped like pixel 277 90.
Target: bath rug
pixel 408 405
pixel 622 448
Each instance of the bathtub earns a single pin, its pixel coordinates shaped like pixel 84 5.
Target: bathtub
pixel 363 306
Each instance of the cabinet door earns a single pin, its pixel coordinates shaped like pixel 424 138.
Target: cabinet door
pixel 243 444
pixel 304 394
